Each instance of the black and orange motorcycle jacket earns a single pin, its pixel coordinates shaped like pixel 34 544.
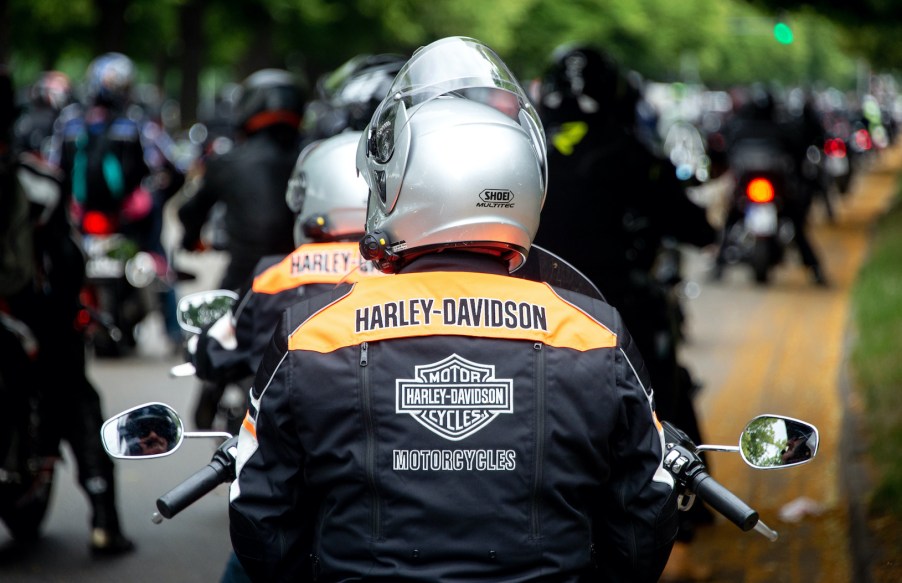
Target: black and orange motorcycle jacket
pixel 451 423
pixel 279 281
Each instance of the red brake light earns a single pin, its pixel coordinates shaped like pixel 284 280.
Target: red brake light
pixel 97 223
pixel 863 139
pixel 835 148
pixel 760 190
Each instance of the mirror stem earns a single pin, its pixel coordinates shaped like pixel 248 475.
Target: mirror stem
pixel 734 448
pixel 221 434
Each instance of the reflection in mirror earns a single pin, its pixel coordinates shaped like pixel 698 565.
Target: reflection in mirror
pixel 773 441
pixel 149 430
pixel 203 308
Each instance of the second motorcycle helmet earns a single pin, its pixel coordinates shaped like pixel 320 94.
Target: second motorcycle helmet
pixel 327 193
pixel 109 80
pixel 584 81
pixel 270 97
pixel 454 157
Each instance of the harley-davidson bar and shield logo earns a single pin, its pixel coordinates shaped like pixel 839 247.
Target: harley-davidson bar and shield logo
pixel 454 398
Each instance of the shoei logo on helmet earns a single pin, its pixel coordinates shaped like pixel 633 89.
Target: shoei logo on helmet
pixel 496 198
pixel 454 398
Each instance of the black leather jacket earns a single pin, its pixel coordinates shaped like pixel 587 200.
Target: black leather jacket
pixel 451 423
pixel 251 180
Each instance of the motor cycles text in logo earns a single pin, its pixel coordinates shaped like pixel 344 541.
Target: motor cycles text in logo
pixel 454 398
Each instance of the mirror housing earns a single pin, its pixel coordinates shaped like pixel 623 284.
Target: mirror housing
pixel 195 311
pixel 774 441
pixel 146 431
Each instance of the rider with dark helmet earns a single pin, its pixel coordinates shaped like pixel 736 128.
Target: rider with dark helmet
pixel 390 417
pixel 250 179
pixel 763 122
pixel 612 203
pixel 347 97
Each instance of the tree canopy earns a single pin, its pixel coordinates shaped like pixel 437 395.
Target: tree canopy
pixel 192 47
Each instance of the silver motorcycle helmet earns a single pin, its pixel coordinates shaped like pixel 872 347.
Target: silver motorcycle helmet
pixel 326 193
pixel 454 157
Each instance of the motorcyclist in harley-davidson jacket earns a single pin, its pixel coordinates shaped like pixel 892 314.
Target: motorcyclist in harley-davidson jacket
pixel 328 199
pixel 346 103
pixel 450 422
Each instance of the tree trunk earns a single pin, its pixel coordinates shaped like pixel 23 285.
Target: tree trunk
pixel 191 17
pixel 5 42
pixel 111 29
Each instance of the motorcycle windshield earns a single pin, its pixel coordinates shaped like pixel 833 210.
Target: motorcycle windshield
pixel 543 265
pixel 460 66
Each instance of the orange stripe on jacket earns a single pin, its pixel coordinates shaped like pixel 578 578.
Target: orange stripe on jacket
pixel 315 263
pixel 249 425
pixel 450 303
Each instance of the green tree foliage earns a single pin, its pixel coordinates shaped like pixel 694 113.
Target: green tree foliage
pixel 716 42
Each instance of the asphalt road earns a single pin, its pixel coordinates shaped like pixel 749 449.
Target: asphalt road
pixel 782 349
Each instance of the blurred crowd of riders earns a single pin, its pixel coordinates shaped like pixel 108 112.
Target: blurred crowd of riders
pixel 623 180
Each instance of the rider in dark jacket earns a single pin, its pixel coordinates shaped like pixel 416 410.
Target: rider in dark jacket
pixel 391 417
pixel 251 177
pixel 762 120
pixel 612 204
pixel 328 198
pixel 69 406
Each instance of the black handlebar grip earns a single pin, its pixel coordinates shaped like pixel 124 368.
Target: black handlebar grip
pixel 192 489
pixel 724 501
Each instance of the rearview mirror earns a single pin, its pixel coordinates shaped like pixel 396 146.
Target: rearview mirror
pixel 146 431
pixel 195 311
pixel 773 441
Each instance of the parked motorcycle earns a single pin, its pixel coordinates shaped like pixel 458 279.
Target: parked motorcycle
pixel 25 479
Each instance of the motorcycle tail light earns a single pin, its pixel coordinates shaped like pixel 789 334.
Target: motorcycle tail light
pixel 97 223
pixel 863 139
pixel 760 190
pixel 82 319
pixel 835 148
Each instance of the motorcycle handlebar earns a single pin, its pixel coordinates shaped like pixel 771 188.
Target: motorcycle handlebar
pixel 193 489
pixel 220 469
pixel 719 498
